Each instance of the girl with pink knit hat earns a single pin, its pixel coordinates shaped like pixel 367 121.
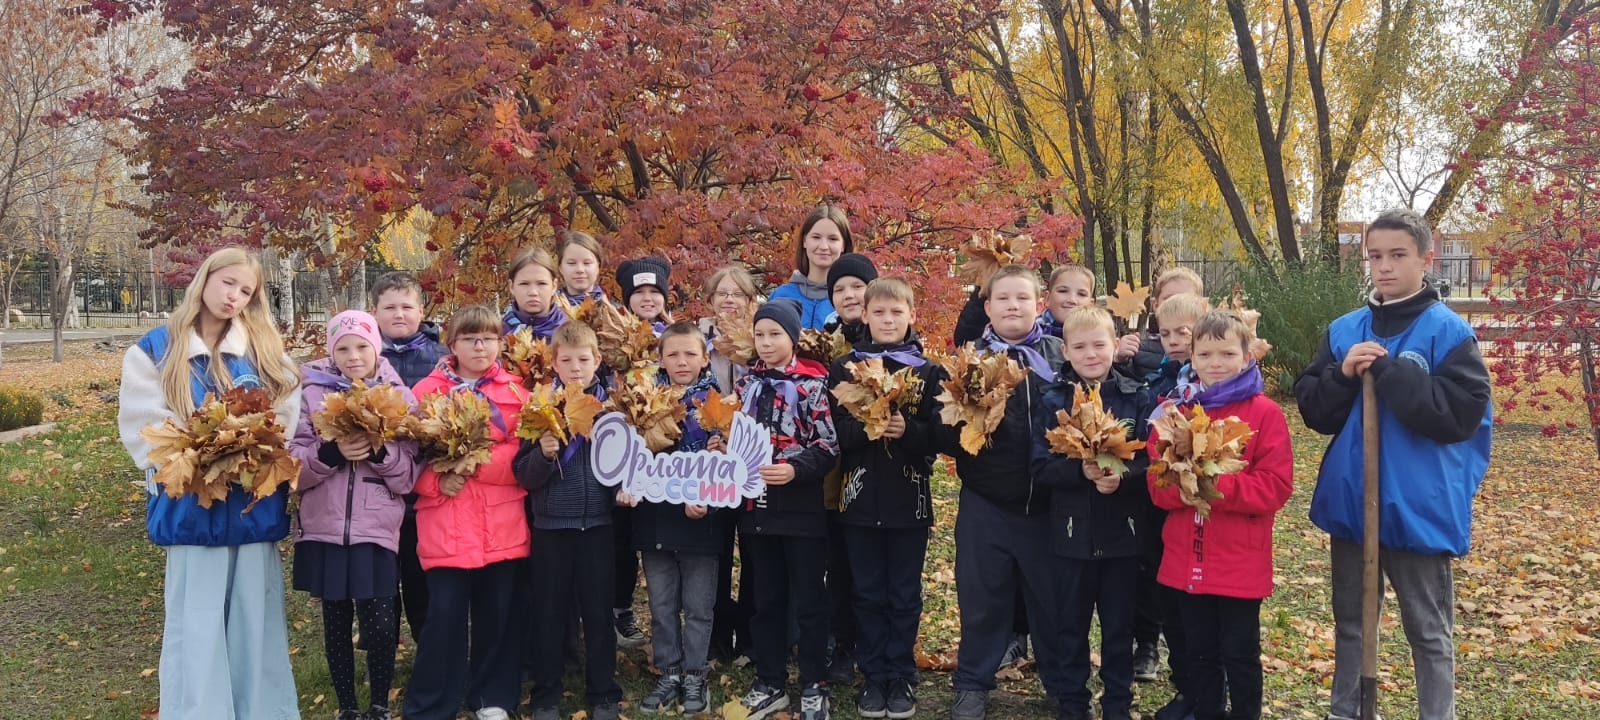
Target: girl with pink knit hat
pixel 351 508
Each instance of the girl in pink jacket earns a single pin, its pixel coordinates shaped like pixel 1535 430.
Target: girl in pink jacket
pixel 350 512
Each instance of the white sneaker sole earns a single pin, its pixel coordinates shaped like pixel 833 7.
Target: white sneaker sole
pixel 782 703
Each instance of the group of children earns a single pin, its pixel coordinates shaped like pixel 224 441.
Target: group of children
pixel 497 569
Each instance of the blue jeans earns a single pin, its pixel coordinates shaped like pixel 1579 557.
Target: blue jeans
pixel 886 569
pixel 683 583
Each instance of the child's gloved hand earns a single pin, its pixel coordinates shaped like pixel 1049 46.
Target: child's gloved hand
pixel 549 445
pixel 355 448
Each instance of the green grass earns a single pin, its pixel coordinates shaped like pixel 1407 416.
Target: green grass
pixel 80 597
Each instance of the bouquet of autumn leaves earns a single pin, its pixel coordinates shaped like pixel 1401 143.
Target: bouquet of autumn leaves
pixel 565 413
pixel 232 439
pixel 975 393
pixel 873 395
pixel 628 345
pixel 527 357
pixel 377 413
pixel 453 431
pixel 1091 434
pixel 1193 449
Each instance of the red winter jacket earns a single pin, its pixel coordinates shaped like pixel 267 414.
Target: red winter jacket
pixel 1230 553
pixel 484 523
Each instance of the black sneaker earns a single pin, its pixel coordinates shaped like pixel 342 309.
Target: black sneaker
pixel 1146 662
pixel 842 667
pixel 608 711
pixel 970 705
pixel 873 701
pixel 348 715
pixel 814 702
pixel 1016 651
pixel 1178 708
pixel 377 712
pixel 694 694
pixel 1074 714
pixel 664 697
pixel 628 633
pixel 764 700
pixel 1115 714
pixel 902 700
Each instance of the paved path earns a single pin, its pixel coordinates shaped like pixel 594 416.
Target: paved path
pixel 23 337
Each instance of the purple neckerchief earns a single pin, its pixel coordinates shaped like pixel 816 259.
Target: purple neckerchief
pixel 416 342
pixel 781 386
pixel 1036 362
pixel 906 355
pixel 1247 384
pixel 475 387
pixel 325 379
pixel 543 325
pixel 694 436
pixel 658 327
pixel 598 390
pixel 1048 324
pixel 595 292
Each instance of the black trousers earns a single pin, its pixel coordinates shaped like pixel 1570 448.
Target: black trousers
pixel 996 553
pixel 730 625
pixel 627 559
pixel 1108 588
pixel 1150 614
pixel 568 566
pixel 466 654
pixel 886 570
pixel 841 603
pixel 1223 639
pixel 413 581
pixel 789 573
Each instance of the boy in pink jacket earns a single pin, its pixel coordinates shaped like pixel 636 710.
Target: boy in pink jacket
pixel 350 512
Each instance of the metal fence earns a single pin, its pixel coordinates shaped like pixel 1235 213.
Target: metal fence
pixel 122 296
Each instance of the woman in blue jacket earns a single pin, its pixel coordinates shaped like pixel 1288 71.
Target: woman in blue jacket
pixel 824 237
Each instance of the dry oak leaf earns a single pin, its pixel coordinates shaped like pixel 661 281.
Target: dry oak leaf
pixel 716 412
pixel 989 251
pixel 454 431
pixel 734 338
pixel 874 395
pixel 232 439
pixel 656 411
pixel 975 393
pixel 1127 302
pixel 375 413
pixel 1090 433
pixel 1193 450
pixel 823 347
pixel 1259 347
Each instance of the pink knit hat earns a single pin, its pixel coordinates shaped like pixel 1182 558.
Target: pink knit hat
pixel 357 323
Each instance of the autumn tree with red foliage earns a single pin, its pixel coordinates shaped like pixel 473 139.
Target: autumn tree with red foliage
pixel 1547 263
pixel 696 129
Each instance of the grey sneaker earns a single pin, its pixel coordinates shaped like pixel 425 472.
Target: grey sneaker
pixel 493 713
pixel 694 694
pixel 628 633
pixel 970 705
pixel 664 697
pixel 1016 650
pixel 814 702
pixel 608 711
pixel 902 702
pixel 764 700
pixel 546 714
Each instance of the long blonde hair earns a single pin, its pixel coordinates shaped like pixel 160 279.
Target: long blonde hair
pixel 264 349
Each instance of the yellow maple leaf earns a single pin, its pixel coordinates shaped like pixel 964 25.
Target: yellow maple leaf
pixel 716 412
pixel 1127 302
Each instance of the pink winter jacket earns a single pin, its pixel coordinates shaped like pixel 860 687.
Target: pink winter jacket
pixel 349 503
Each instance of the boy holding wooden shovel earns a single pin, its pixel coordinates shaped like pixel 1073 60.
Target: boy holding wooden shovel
pixel 1434 422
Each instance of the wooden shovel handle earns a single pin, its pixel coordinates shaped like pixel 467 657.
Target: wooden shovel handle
pixel 1370 578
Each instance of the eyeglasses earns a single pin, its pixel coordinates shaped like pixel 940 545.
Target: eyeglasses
pixel 732 296
pixel 477 342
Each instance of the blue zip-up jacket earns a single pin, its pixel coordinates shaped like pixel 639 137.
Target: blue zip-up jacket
pixel 816 307
pixel 1435 415
pixel 182 521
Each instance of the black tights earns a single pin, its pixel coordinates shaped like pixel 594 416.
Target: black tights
pixel 377 632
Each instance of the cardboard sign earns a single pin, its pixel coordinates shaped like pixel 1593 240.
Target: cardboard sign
pixel 618 456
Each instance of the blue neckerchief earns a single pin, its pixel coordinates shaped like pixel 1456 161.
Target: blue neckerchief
pixel 907 355
pixel 1247 384
pixel 770 379
pixel 694 436
pixel 1036 362
pixel 475 387
pixel 543 325
pixel 598 390
pixel 1048 325
pixel 415 342
pixel 594 293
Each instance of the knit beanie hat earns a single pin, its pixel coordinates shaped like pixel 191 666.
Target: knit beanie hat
pixel 634 274
pixel 783 311
pixel 357 323
pixel 851 265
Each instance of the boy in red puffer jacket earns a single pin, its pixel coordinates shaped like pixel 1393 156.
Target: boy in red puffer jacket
pixel 1220 567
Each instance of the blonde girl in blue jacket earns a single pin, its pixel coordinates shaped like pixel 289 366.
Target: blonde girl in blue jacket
pixel 225 645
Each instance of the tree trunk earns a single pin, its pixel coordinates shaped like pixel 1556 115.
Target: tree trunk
pixel 61 299
pixel 1271 146
pixel 1587 361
